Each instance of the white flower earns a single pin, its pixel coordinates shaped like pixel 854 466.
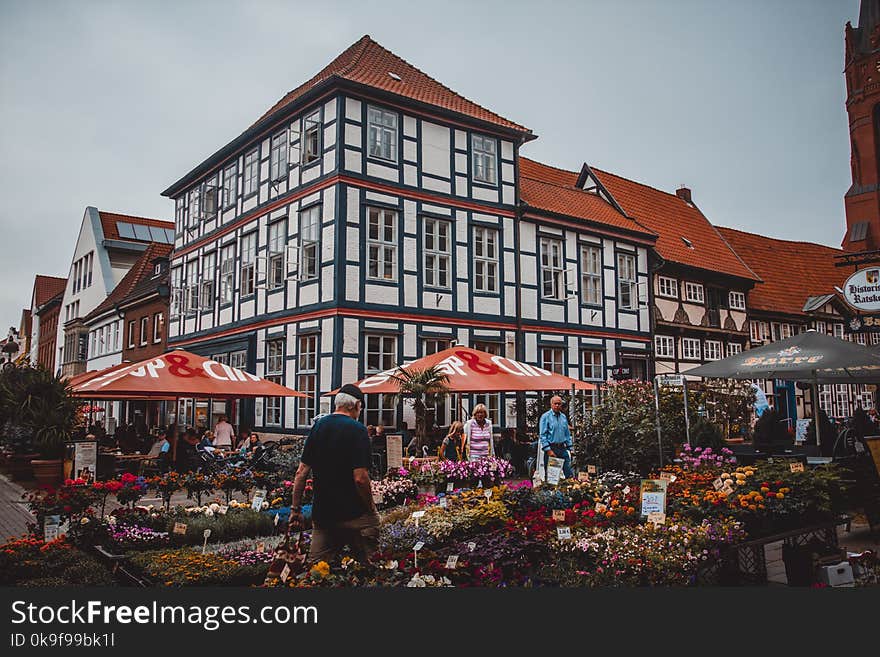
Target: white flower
pixel 264 505
pixel 416 581
pixel 215 507
pixel 209 513
pixel 392 565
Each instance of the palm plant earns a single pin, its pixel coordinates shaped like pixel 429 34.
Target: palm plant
pixel 421 386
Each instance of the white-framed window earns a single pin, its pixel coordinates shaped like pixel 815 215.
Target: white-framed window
pixel 737 300
pixel 251 172
pixel 690 349
pixel 553 359
pixel 93 344
pixel 758 331
pixel 860 338
pixel 248 263
pixel 277 248
pixel 734 348
pixel 230 185
pixel 275 374
pixel 176 300
pixel 485 259
pixel 309 232
pixel 825 399
pixel 381 353
pixel 664 346
pixel 437 252
pixel 485 154
pixel 382 134
pixel 307 378
pixel 838 331
pixel 382 244
pixel 311 146
pixel 206 295
pixel 591 275
pixel 158 327
pixel 713 350
pixel 627 292
pixel 668 287
pixel 867 397
pixel 179 214
pixel 227 273
pixel 841 398
pixel 775 331
pixel 552 272
pixel 193 290
pixel 195 206
pixel 278 156
pixel 434 345
pixel 821 327
pixel 787 331
pixel 108 346
pixel 116 326
pixel 694 292
pixel 594 367
pixel 145 329
pixel 238 359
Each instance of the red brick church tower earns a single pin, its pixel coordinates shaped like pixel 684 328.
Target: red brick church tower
pixel 862 70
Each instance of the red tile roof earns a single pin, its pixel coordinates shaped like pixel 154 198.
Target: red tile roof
pixel 142 268
pixel 111 232
pixel 554 190
pixel 790 271
pixel 368 63
pixel 46 288
pixel 673 219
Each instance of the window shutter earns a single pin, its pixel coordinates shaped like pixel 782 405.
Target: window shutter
pixel 295 145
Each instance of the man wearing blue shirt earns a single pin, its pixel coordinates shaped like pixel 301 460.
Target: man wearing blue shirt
pixel 555 435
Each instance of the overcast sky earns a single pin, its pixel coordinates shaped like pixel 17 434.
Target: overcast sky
pixel 107 103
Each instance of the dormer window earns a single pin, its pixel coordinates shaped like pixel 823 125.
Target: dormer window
pixel 157 269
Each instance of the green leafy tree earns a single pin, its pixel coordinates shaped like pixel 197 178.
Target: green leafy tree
pixel 421 386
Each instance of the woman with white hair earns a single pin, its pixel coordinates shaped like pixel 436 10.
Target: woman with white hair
pixel 478 435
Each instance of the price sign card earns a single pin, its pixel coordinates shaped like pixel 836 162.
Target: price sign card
pixel 452 561
pixel 259 496
pixel 418 546
pixel 667 476
pixel 657 518
pixel 591 469
pixel 653 496
pixel 50 528
pixel 718 483
pixel 796 466
pixel 583 476
pixel 450 487
pixel 559 515
pixel 222 510
pixel 417 514
pixel 472 546
pixel 553 474
pixel 563 533
pixel 285 573
pixel 179 528
pixel 488 493
pixel 261 547
pixel 443 503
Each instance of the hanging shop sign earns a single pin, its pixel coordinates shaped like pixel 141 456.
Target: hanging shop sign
pixel 862 290
pixel 863 324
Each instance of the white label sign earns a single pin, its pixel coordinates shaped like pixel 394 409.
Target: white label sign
pixel 563 533
pixel 443 503
pixel 452 561
pixel 418 546
pixel 472 546
pixel 862 289
pixel 417 514
pixel 553 474
pixel 450 487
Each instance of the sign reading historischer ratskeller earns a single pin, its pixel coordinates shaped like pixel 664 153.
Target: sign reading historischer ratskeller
pixel 862 290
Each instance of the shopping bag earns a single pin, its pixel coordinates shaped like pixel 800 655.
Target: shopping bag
pixel 289 560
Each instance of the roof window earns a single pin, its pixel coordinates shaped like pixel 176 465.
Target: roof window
pixel 687 242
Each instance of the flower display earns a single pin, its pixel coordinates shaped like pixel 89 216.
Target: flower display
pixel 128 536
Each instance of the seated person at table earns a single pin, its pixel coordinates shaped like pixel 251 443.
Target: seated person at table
pixel 244 439
pixel 186 458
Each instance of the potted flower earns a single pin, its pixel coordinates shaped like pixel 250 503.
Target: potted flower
pixel 42 405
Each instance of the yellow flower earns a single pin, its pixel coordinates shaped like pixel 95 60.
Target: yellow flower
pixel 322 568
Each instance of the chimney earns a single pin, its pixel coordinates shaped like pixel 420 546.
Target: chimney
pixel 684 193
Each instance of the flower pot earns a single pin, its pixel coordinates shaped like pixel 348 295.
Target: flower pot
pixel 19 466
pixel 48 472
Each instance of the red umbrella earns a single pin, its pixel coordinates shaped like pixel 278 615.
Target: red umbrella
pixel 79 379
pixel 179 374
pixel 470 370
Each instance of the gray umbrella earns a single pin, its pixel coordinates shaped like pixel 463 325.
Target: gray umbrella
pixel 809 356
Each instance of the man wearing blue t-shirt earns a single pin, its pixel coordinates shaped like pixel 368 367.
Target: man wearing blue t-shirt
pixel 337 454
pixel 555 435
